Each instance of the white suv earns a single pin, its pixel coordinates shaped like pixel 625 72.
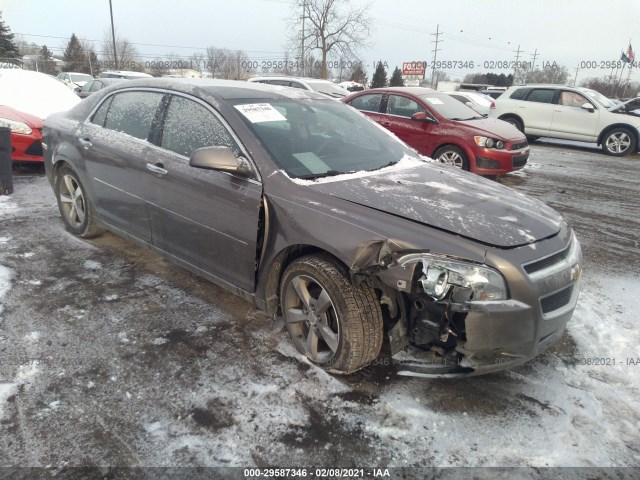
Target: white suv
pixel 570 113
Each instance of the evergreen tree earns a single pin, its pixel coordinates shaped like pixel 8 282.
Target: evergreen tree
pixel 379 77
pixel 359 75
pixel 75 56
pixel 8 49
pixel 396 78
pixel 46 63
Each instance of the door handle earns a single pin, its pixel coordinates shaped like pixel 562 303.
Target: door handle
pixel 85 142
pixel 157 168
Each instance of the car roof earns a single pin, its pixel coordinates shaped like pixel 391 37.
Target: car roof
pixel 224 89
pixel 282 77
pixel 410 90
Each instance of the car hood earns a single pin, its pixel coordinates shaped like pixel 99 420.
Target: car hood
pixel 492 127
pixel 13 114
pixel 450 200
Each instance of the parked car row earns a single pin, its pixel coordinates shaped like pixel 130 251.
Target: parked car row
pixel 314 213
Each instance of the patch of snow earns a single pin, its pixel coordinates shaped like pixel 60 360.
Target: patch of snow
pixel 34 282
pixel 7 390
pixel 405 163
pixel 35 336
pixel 5 283
pixel 4 240
pixel 26 255
pixel 92 265
pixel 7 206
pixel 111 298
pixel 442 186
pixel 159 341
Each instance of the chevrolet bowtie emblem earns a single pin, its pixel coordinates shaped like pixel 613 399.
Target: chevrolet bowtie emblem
pixel 576 271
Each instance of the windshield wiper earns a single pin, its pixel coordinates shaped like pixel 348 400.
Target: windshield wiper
pixel 328 173
pixel 465 119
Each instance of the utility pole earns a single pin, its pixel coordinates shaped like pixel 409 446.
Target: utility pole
pixel 575 80
pixel 113 38
pixel 435 55
pixel 533 63
pixel 515 67
pixel 304 13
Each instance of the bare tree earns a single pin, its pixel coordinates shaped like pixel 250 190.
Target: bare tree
pixel 334 27
pixel 216 58
pixel 127 54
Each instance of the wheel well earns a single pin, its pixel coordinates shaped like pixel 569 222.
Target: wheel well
pixel 281 261
pixel 56 168
pixel 626 126
pixel 511 115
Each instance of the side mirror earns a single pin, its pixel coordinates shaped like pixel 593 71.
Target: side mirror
pixel 588 106
pixel 420 117
pixel 221 159
pixel 469 104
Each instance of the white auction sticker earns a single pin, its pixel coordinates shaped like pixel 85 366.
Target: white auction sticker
pixel 261 112
pixel 434 101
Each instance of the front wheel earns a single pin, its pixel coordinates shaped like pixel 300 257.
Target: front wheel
pixel 75 207
pixel 337 325
pixel 618 142
pixel 452 156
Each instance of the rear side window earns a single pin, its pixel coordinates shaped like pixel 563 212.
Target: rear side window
pixel 368 103
pixel 97 85
pixel 133 112
pixel 519 94
pixel 541 95
pixel 189 126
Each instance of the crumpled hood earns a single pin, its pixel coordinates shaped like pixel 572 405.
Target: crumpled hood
pixel 448 199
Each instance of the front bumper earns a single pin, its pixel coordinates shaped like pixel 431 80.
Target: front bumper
pixel 499 335
pixel 27 148
pixel 489 161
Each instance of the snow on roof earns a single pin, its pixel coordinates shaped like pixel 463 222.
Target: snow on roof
pixel 34 93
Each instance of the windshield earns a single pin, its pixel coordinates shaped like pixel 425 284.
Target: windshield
pixel 318 138
pixel 601 99
pixel 449 107
pixel 480 99
pixel 328 88
pixel 80 77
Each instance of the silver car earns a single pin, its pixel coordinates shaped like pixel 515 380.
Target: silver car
pixel 304 207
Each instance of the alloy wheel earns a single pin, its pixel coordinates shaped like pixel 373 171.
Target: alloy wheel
pixel 72 201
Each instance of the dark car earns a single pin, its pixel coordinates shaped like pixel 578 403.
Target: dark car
pixel 309 210
pixel 441 127
pixel 98 84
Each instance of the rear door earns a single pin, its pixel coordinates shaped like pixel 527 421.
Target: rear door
pixel 537 111
pixel 571 121
pixel 116 150
pixel 204 217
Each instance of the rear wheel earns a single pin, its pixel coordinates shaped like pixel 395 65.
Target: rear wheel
pixel 618 142
pixel 452 156
pixel 336 325
pixel 75 207
pixel 514 121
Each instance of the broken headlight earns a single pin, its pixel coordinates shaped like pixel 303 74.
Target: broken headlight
pixel 440 276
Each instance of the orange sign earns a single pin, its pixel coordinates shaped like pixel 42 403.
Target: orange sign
pixel 413 68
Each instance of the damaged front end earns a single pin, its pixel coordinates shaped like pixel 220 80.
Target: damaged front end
pixel 451 317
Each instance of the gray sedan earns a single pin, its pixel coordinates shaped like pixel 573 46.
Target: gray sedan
pixel 306 208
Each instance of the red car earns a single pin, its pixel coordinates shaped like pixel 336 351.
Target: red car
pixel 439 126
pixel 26 134
pixel 26 99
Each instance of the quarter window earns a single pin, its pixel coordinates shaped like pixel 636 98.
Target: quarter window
pixel 189 126
pixel 368 103
pixel 519 94
pixel 101 114
pixel 133 113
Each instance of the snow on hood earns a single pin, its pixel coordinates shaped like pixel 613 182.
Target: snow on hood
pixel 450 200
pixel 34 93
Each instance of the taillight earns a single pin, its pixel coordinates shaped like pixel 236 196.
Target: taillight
pixel 493 105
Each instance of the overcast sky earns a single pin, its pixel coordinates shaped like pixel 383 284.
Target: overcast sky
pixel 567 32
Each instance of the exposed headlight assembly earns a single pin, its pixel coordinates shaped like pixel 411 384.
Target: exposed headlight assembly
pixel 440 275
pixel 16 127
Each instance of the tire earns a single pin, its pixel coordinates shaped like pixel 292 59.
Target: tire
pixel 337 326
pixel 618 142
pixel 514 121
pixel 452 156
pixel 532 138
pixel 75 207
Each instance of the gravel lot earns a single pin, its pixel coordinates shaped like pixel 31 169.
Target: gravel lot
pixel 112 356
